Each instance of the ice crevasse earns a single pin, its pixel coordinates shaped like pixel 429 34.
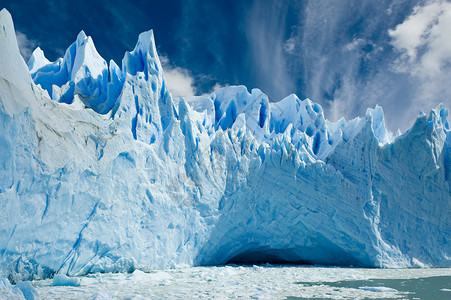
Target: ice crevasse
pixel 101 170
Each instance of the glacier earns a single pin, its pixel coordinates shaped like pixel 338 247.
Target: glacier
pixel 101 170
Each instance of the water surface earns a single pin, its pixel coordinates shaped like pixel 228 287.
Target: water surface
pixel 259 282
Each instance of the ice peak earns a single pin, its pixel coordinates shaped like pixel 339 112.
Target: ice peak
pixel 12 66
pixel 83 53
pixel 6 18
pixel 81 36
pixel 143 58
pixel 441 114
pixel 86 55
pixel 378 124
pixel 37 60
pixel 82 71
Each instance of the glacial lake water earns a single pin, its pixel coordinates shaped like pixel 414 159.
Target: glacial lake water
pixel 258 282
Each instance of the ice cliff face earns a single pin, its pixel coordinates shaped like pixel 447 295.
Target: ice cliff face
pixel 101 170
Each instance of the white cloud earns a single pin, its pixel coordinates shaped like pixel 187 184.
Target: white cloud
pixel 357 42
pixel 26 45
pixel 290 45
pixel 218 86
pixel 179 81
pixel 424 40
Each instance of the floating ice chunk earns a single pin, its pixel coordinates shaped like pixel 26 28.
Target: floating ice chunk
pixel 139 275
pixel 136 275
pixel 64 280
pixel 378 289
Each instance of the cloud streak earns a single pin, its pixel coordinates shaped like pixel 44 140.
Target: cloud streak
pixel 269 47
pixel 342 55
pixel 318 50
pixel 26 45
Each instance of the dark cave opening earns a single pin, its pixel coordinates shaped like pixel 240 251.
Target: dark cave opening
pixel 266 256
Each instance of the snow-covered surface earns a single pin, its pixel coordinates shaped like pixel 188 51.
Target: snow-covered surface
pixel 256 282
pixel 111 174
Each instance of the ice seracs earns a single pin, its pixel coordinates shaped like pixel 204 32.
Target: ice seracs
pixel 37 61
pixel 144 100
pixel 82 72
pixel 102 171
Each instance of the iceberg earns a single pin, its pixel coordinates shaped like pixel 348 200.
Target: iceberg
pixel 101 170
pixel 63 280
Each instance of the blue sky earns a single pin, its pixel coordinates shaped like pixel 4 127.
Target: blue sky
pixel 347 55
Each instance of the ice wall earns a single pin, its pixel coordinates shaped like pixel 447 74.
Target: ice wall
pixel 110 173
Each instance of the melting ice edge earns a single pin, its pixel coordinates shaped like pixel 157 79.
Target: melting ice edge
pixel 101 170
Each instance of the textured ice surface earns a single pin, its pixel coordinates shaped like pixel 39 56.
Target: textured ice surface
pixel 259 282
pixel 21 290
pixel 110 173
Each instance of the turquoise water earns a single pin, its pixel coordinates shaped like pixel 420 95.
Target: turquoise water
pixel 437 287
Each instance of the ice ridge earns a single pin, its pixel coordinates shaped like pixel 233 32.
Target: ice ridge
pixel 101 170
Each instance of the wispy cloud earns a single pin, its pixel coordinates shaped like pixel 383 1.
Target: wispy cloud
pixel 314 49
pixel 218 86
pixel 335 54
pixel 26 45
pixel 341 55
pixel 269 47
